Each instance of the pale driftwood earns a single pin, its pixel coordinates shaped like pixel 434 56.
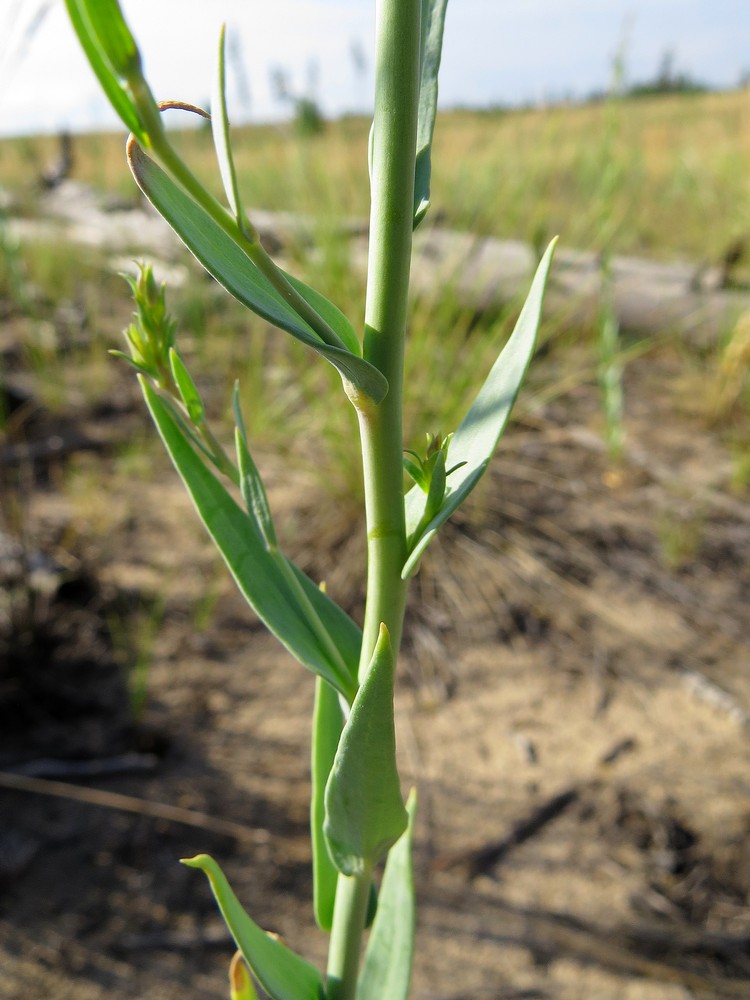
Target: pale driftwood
pixel 650 298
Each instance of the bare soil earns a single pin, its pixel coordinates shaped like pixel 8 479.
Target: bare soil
pixel 573 708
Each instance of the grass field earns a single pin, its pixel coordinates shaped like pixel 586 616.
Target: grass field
pixel 661 177
pixel 555 625
pixel 668 175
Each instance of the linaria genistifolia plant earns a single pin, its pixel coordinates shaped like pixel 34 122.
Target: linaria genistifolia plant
pixel 358 816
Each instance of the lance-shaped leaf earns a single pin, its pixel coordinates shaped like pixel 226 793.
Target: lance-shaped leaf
pixel 226 261
pixel 365 813
pixel 328 721
pixel 433 21
pixel 474 443
pixel 262 579
pixel 386 970
pixel 283 974
pixel 119 97
pixel 222 140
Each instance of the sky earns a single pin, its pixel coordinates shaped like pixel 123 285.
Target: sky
pixel 495 52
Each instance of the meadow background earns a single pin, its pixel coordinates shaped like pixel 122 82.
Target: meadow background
pixel 575 698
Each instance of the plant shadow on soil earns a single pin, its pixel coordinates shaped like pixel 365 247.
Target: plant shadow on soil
pixel 573 709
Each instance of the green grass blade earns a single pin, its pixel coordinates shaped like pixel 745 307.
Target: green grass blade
pixel 365 813
pixel 222 140
pixel 433 21
pixel 258 573
pixel 116 93
pixel 386 970
pixel 283 974
pixel 232 268
pixel 328 721
pixel 474 443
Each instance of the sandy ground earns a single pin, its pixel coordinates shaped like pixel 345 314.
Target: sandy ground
pixel 573 709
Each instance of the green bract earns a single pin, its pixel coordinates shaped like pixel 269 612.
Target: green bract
pixel 365 817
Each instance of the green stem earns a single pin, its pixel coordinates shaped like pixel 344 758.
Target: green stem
pixel 350 912
pixel 391 225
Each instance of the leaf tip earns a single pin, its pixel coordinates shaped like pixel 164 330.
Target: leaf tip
pixel 203 862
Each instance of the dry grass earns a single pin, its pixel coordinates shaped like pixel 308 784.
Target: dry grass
pixel 683 163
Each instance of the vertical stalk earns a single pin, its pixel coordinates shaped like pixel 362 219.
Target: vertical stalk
pixel 398 31
pixel 349 915
pixel 391 225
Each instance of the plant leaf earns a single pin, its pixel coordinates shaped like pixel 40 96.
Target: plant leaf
pixel 222 140
pixel 117 95
pixel 113 35
pixel 328 721
pixel 232 268
pixel 365 813
pixel 257 572
pixel 254 494
pixel 476 438
pixel 433 21
pixel 283 974
pixel 187 388
pixel 251 484
pixel 386 970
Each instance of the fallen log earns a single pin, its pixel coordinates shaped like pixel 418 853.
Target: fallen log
pixel 650 298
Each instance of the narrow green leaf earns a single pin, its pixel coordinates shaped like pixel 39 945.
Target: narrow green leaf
pixel 222 140
pixel 328 721
pixel 258 573
pixel 251 484
pixel 474 443
pixel 365 813
pixel 232 268
pixel 187 388
pixel 113 35
pixel 116 93
pixel 386 970
pixel 283 974
pixel 254 492
pixel 433 21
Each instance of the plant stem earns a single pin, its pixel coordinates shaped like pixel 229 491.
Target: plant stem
pixel 391 224
pixel 398 32
pixel 350 912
